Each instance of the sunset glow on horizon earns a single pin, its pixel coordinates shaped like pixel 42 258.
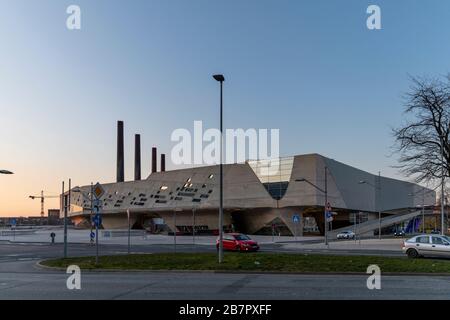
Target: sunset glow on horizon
pixel 149 63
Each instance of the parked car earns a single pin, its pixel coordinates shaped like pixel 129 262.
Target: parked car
pixel 238 242
pixel 427 246
pixel 346 235
pixel 399 233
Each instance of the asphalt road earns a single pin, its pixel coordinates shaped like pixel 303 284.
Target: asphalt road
pixel 21 279
pixel 37 251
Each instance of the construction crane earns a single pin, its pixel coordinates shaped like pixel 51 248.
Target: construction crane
pixel 42 197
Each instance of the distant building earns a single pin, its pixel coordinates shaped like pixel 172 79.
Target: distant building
pixel 53 217
pixel 258 196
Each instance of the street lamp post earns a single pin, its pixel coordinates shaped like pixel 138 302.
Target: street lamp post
pixel 377 187
pixel 65 218
pixel 325 192
pixel 220 78
pixel 423 210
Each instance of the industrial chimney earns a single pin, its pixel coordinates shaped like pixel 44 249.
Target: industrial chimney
pixel 137 157
pixel 154 161
pixel 120 157
pixel 163 162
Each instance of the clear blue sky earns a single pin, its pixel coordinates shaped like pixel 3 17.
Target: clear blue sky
pixel 310 68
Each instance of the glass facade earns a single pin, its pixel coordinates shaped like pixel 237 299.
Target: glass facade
pixel 274 174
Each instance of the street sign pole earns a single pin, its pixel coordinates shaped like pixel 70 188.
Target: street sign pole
pixel 96 243
pixel 296 221
pixel 98 192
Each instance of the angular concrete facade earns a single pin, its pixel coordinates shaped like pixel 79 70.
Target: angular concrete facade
pixel 249 206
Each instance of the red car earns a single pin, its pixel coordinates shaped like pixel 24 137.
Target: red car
pixel 238 242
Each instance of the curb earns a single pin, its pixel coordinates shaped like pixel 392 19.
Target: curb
pixel 41 266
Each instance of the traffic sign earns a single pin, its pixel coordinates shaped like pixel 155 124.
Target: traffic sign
pixel 329 216
pixel 98 190
pixel 97 220
pixel 97 206
pixel 13 222
pixel 296 218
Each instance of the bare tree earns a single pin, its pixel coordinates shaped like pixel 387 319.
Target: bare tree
pixel 426 130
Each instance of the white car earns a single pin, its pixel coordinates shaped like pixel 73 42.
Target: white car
pixel 346 235
pixel 427 246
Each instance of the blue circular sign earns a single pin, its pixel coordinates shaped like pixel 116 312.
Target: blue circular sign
pixel 97 220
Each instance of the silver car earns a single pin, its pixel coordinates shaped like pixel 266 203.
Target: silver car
pixel 346 235
pixel 427 246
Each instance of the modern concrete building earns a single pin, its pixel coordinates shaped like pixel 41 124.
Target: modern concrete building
pixel 258 196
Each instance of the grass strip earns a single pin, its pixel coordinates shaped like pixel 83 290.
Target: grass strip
pixel 254 262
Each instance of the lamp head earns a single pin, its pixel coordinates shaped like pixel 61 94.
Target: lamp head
pixel 219 77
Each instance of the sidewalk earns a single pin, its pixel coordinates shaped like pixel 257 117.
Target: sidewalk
pixel 365 244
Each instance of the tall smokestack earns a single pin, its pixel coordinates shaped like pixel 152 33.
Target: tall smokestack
pixel 137 157
pixel 163 162
pixel 154 161
pixel 120 158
